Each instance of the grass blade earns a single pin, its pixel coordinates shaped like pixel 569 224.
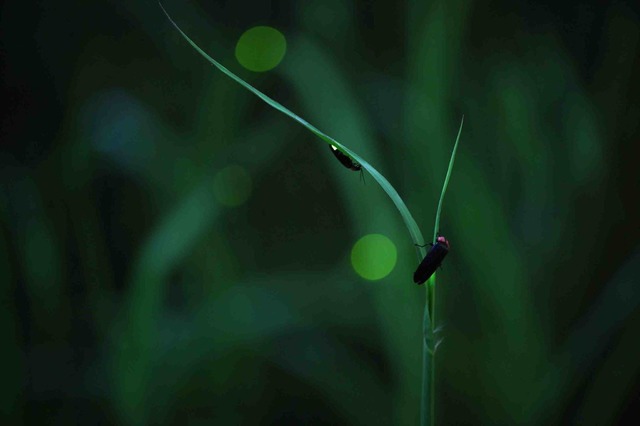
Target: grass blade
pixel 436 226
pixel 410 223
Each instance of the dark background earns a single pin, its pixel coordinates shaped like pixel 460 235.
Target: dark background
pixel 130 295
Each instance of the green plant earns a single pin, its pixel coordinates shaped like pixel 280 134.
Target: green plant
pixel 429 328
pixel 429 321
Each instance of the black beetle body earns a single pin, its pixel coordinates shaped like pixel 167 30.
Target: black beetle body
pixel 432 260
pixel 345 160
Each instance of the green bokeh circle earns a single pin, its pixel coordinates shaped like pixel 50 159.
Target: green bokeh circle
pixel 261 48
pixel 232 186
pixel 374 256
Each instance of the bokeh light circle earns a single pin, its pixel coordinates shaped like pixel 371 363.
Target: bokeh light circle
pixel 374 256
pixel 261 48
pixel 232 186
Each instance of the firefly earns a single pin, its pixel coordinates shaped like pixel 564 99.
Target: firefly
pixel 346 161
pixel 432 260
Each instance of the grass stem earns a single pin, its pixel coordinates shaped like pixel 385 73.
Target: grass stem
pixel 429 330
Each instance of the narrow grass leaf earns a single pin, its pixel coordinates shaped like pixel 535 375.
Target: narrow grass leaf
pixel 410 223
pixel 436 227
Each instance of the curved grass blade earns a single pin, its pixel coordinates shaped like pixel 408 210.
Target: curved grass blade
pixel 410 223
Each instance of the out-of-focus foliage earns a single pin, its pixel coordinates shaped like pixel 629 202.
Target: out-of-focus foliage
pixel 175 251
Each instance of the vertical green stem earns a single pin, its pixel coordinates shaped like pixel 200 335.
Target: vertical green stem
pixel 426 408
pixel 428 401
pixel 432 290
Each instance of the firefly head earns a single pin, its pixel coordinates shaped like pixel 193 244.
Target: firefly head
pixel 442 240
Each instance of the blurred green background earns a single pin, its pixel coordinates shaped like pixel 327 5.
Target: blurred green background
pixel 174 251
